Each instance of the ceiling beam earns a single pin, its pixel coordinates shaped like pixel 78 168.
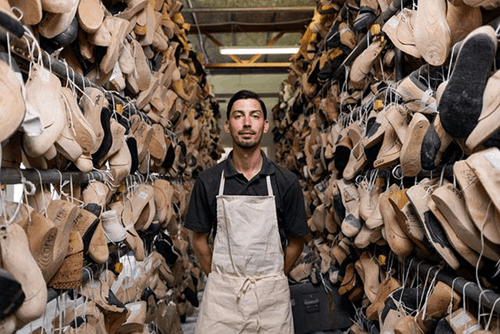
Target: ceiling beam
pixel 270 43
pixel 228 27
pixel 219 44
pixel 305 9
pixel 247 65
pixel 261 95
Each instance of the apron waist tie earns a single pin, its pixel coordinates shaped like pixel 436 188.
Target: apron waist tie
pixel 244 288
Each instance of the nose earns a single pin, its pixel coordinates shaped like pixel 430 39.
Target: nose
pixel 246 121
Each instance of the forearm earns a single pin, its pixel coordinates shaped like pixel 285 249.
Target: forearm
pixel 293 252
pixel 203 251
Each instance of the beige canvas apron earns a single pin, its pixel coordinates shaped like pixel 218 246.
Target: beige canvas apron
pixel 247 290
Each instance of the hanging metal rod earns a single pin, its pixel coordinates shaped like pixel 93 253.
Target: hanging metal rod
pixel 459 284
pixel 305 9
pixel 141 178
pixel 15 176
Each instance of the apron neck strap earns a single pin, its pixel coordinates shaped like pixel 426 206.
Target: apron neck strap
pixel 269 187
pixel 221 186
pixel 223 181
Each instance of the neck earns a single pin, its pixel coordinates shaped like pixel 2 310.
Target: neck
pixel 247 162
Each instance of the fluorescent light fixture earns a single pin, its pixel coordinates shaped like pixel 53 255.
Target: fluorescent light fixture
pixel 264 50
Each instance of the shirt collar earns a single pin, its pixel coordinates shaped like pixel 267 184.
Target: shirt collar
pixel 230 171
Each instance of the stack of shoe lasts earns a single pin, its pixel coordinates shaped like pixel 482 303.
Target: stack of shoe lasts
pixel 395 147
pixel 72 237
pixel 48 243
pixel 131 49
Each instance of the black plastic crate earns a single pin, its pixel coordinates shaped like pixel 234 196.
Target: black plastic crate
pixel 314 310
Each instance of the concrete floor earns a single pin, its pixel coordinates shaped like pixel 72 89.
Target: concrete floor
pixel 188 326
pixel 55 306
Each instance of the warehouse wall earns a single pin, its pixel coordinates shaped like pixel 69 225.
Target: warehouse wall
pixel 267 85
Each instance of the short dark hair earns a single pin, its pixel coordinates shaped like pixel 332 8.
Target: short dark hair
pixel 243 95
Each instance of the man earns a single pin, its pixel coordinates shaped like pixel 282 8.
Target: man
pixel 256 211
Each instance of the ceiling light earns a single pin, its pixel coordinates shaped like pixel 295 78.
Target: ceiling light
pixel 264 50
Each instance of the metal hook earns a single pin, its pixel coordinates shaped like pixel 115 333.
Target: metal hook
pixel 18 13
pixel 405 278
pixel 397 172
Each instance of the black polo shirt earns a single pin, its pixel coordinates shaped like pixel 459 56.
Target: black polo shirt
pixel 290 207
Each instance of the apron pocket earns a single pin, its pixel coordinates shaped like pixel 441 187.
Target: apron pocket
pixel 222 312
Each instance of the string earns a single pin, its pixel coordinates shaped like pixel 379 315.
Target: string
pixel 49 59
pixel 31 51
pixel 27 192
pixel 424 286
pixel 424 307
pixel 82 91
pixel 417 276
pixel 441 178
pixel 8 50
pixel 44 209
pixel 71 190
pixel 450 67
pixel 487 328
pixel 464 295
pixel 450 306
pixel 482 247
pixel 61 183
pixel 479 304
pixel 68 80
pixel 405 279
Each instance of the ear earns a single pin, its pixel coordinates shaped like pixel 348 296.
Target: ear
pixel 266 126
pixel 226 126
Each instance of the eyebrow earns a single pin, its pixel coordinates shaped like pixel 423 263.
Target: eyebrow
pixel 252 111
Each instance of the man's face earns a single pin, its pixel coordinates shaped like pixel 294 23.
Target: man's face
pixel 246 123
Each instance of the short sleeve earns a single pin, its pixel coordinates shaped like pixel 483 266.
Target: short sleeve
pixel 294 213
pixel 198 217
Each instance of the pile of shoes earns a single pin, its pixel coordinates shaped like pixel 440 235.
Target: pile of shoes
pixel 388 117
pixel 147 124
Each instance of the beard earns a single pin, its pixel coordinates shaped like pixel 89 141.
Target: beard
pixel 247 143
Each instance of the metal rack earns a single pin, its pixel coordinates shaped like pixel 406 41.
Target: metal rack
pixel 463 287
pixel 19 48
pixel 16 176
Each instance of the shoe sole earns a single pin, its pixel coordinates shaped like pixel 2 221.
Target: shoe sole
pixel 462 100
